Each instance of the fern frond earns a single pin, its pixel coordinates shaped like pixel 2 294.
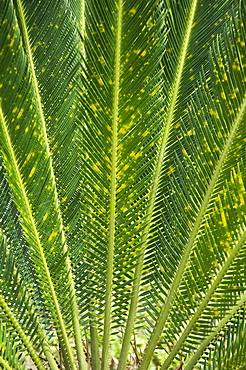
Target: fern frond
pixel 185 21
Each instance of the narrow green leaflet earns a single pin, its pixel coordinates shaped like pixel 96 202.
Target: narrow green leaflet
pixel 9 355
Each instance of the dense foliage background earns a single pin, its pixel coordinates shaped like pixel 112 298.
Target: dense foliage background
pixel 122 184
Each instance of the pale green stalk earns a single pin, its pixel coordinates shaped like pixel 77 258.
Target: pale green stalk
pixel 95 357
pixel 5 364
pixel 217 330
pixel 49 356
pixel 75 313
pixel 154 190
pixel 171 295
pixel 21 334
pixel 109 272
pixel 204 303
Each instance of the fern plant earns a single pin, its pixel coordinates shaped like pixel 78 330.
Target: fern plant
pixel 122 206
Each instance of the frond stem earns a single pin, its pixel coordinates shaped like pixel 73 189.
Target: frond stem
pixel 5 364
pixel 95 357
pixel 12 159
pixel 163 147
pixel 109 272
pixel 204 303
pixel 170 297
pixel 24 338
pixel 75 313
pixel 218 328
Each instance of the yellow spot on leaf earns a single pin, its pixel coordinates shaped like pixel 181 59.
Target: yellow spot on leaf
pixel 225 76
pixel 122 130
pixel 20 113
pixel 32 172
pixel 95 167
pixel 161 268
pixel 45 216
pixel 155 91
pixel 100 81
pixel 52 235
pixel 170 170
pixel 138 155
pixel 133 11
pixel 223 218
pixel 191 132
pixel 241 198
pixel 93 107
pixel 214 113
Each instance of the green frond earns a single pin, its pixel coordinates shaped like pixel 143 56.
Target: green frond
pixel 9 355
pixel 11 227
pixel 17 312
pixel 229 351
pixel 122 183
pixel 114 143
pixel 122 89
pixel 209 238
pixel 23 120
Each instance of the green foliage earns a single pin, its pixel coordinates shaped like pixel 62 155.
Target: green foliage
pixel 122 184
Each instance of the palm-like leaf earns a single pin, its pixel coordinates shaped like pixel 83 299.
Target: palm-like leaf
pixel 37 210
pixel 123 153
pixel 229 351
pixel 211 204
pixel 9 356
pixel 20 329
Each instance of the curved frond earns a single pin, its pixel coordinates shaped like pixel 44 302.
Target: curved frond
pixel 28 163
pixel 9 355
pixel 229 351
pixel 122 108
pixel 122 182
pixel 209 238
pixel 17 313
